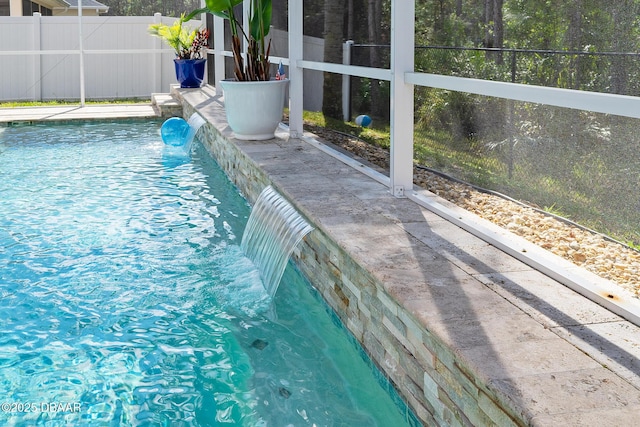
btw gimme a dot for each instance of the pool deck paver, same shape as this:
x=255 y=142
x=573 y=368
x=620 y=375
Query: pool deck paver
x=76 y=112
x=557 y=357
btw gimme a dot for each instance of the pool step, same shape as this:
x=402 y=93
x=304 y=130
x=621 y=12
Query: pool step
x=166 y=105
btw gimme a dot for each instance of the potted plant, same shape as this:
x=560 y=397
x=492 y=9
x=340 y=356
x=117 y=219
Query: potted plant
x=188 y=44
x=253 y=100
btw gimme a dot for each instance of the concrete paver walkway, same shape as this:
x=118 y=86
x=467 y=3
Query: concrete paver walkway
x=76 y=112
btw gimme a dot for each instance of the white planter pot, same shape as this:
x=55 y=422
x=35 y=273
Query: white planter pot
x=254 y=109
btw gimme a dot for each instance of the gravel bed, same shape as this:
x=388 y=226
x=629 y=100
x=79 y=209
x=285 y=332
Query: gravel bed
x=592 y=251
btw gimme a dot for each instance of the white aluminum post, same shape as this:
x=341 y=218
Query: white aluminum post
x=346 y=81
x=296 y=51
x=80 y=47
x=402 y=61
x=37 y=68
x=218 y=47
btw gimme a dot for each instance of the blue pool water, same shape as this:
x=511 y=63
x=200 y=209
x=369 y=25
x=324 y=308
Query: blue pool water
x=125 y=299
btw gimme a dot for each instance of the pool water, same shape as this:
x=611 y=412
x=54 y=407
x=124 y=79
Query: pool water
x=125 y=298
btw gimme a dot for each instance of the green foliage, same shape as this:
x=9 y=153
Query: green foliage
x=260 y=19
x=580 y=163
x=256 y=67
x=377 y=135
x=586 y=26
x=186 y=42
x=173 y=8
x=583 y=165
x=464 y=116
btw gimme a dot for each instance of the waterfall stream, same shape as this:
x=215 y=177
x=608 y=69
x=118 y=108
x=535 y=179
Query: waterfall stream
x=272 y=232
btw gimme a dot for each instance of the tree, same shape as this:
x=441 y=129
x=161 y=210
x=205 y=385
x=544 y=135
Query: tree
x=623 y=14
x=494 y=28
x=376 y=30
x=333 y=38
x=149 y=7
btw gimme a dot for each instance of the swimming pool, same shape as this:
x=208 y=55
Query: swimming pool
x=125 y=298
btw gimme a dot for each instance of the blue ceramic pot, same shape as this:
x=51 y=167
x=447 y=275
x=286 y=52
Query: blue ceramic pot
x=189 y=72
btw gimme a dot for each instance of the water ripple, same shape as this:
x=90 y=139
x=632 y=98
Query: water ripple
x=103 y=251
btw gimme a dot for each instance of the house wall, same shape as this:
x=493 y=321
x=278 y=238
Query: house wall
x=15 y=7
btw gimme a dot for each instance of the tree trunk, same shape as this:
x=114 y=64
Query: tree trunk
x=439 y=35
x=624 y=13
x=374 y=59
x=373 y=28
x=488 y=23
x=574 y=42
x=350 y=20
x=494 y=28
x=333 y=38
x=498 y=29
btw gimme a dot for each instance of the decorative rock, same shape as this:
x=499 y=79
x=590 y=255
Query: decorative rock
x=579 y=257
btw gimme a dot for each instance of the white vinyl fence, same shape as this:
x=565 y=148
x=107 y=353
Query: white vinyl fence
x=40 y=57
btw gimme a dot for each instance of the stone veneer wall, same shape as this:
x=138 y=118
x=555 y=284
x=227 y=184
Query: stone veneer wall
x=423 y=370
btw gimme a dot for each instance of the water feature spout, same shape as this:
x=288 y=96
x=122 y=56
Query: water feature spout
x=178 y=134
x=195 y=122
x=272 y=232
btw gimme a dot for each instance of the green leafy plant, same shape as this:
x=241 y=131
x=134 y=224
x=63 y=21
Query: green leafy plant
x=256 y=67
x=186 y=42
